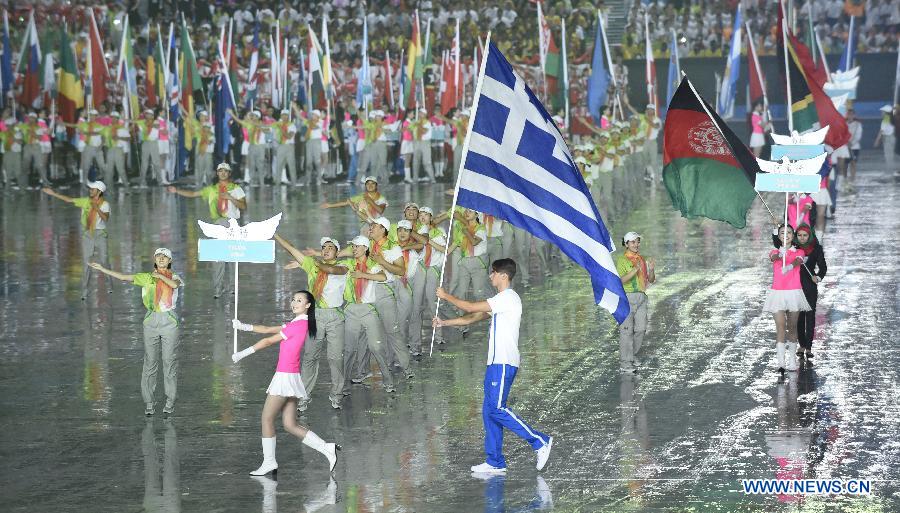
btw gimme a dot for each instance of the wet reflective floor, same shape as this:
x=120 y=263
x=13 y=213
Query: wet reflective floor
x=706 y=410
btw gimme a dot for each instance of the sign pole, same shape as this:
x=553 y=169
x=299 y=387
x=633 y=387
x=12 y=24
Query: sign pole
x=235 y=302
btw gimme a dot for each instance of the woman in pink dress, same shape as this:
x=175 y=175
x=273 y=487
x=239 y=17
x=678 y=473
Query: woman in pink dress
x=785 y=299
x=286 y=387
x=757 y=135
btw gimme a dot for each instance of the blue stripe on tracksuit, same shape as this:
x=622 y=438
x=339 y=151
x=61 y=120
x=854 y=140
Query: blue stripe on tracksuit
x=498 y=379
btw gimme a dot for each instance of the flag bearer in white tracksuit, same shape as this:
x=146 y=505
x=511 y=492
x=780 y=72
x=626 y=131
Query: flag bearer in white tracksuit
x=226 y=200
x=431 y=259
x=159 y=293
x=409 y=304
x=327 y=279
x=362 y=317
x=94 y=216
x=505 y=312
x=390 y=257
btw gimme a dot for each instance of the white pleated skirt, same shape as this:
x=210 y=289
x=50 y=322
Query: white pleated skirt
x=821 y=197
x=287 y=384
x=786 y=301
x=757 y=140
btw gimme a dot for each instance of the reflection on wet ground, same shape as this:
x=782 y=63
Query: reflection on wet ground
x=706 y=411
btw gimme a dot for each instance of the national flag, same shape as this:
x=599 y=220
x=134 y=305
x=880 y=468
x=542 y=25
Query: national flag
x=364 y=79
x=809 y=102
x=30 y=66
x=96 y=71
x=727 y=94
x=301 y=81
x=545 y=40
x=71 y=94
x=48 y=78
x=325 y=61
x=849 y=53
x=414 y=64
x=706 y=168
x=448 y=85
x=674 y=77
x=456 y=58
x=598 y=81
x=7 y=78
x=128 y=73
x=650 y=65
x=190 y=74
x=252 y=78
x=755 y=75
x=518 y=168
x=401 y=82
x=315 y=76
x=275 y=86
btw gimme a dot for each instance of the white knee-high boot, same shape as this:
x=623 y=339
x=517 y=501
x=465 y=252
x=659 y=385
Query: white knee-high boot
x=779 y=354
x=328 y=450
x=269 y=464
x=791 y=363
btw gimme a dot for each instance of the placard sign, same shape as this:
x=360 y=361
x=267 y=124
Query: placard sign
x=224 y=250
x=777 y=182
x=796 y=151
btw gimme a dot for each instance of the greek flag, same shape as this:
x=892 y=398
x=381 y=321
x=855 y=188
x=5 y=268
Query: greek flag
x=518 y=168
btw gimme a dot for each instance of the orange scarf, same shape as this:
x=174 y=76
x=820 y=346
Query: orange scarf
x=404 y=279
x=163 y=291
x=360 y=284
x=223 y=201
x=468 y=247
x=376 y=246
x=93 y=214
x=319 y=285
x=373 y=210
x=428 y=249
x=488 y=224
x=638 y=261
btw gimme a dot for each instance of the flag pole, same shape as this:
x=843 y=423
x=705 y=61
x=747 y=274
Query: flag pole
x=235 y=302
x=759 y=76
x=462 y=163
x=612 y=69
x=790 y=113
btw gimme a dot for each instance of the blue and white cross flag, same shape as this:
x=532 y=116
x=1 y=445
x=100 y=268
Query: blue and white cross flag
x=518 y=168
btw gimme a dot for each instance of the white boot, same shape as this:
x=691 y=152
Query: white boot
x=779 y=352
x=791 y=364
x=313 y=441
x=269 y=464
x=407 y=178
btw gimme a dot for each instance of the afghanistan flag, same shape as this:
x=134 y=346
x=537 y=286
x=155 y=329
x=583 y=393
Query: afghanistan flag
x=706 y=169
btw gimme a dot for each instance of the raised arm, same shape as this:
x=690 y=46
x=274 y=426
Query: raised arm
x=466 y=306
x=51 y=192
x=183 y=192
x=343 y=203
x=290 y=248
x=114 y=274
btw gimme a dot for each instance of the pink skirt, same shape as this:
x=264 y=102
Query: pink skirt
x=786 y=301
x=287 y=384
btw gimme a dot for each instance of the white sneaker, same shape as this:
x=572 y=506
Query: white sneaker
x=543 y=454
x=544 y=494
x=487 y=468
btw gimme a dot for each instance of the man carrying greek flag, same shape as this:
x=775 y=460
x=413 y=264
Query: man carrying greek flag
x=516 y=167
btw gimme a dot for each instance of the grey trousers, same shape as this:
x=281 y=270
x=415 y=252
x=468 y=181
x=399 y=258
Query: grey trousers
x=32 y=158
x=115 y=161
x=631 y=331
x=379 y=163
x=517 y=245
x=91 y=155
x=285 y=156
x=330 y=336
x=312 y=165
x=93 y=249
x=472 y=271
x=416 y=288
x=887 y=143
x=405 y=308
x=256 y=163
x=386 y=298
x=160 y=336
x=426 y=293
x=363 y=320
x=496 y=248
x=422 y=158
x=12 y=163
x=203 y=168
x=149 y=155
x=219 y=269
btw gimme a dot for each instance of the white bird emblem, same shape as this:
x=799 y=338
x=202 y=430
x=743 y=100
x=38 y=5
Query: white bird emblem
x=841 y=76
x=797 y=167
x=816 y=137
x=262 y=230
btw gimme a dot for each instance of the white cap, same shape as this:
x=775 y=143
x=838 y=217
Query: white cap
x=202 y=112
x=316 y=112
x=370 y=178
x=379 y=112
x=650 y=106
x=32 y=114
x=114 y=114
x=257 y=113
x=359 y=240
x=405 y=224
x=411 y=205
x=92 y=111
x=148 y=111
x=383 y=221
x=887 y=109
x=163 y=251
x=630 y=236
x=285 y=112
x=372 y=114
x=225 y=166
x=100 y=186
x=464 y=112
x=427 y=210
x=324 y=240
x=580 y=160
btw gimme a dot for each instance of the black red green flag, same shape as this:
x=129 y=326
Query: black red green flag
x=706 y=168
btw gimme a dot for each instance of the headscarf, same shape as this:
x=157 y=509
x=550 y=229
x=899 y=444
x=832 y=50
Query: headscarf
x=810 y=244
